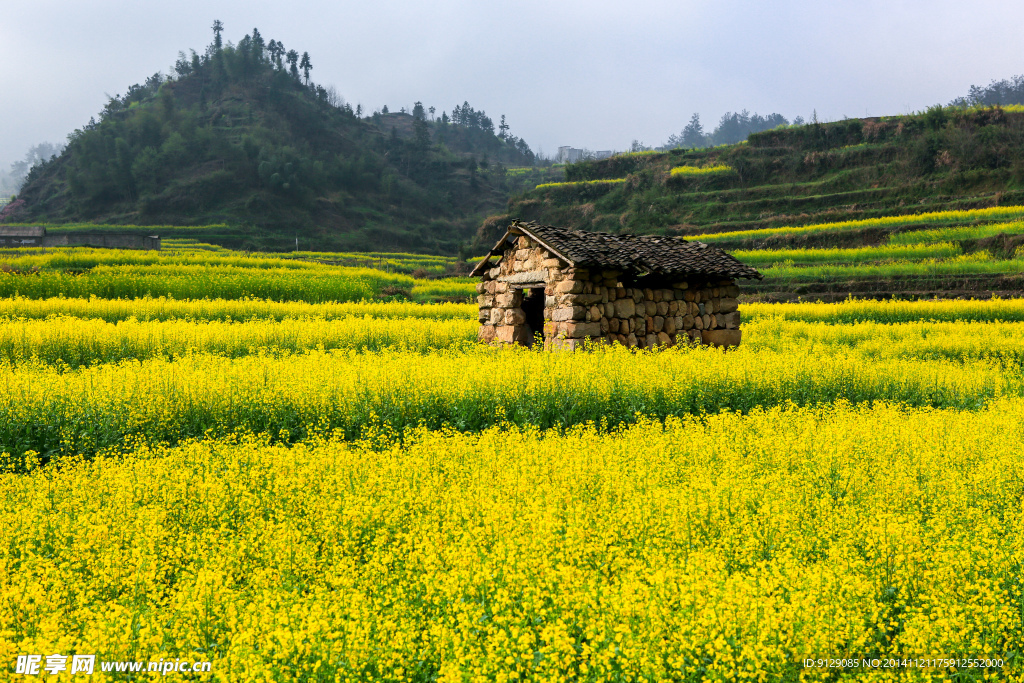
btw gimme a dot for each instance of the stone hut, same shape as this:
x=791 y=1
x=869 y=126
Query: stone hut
x=638 y=290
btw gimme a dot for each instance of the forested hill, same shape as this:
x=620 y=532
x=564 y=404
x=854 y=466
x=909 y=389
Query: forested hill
x=242 y=135
x=952 y=157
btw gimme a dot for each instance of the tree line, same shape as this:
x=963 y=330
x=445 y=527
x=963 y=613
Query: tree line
x=1007 y=91
x=733 y=127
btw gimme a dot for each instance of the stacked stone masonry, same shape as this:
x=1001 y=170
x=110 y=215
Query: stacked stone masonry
x=581 y=304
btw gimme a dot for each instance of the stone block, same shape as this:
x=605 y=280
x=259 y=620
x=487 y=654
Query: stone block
x=730 y=320
x=581 y=299
x=514 y=334
x=721 y=337
x=511 y=299
x=624 y=308
x=698 y=322
x=613 y=325
x=689 y=295
x=566 y=313
x=707 y=321
x=570 y=287
x=631 y=340
x=728 y=305
x=596 y=312
x=514 y=316
x=680 y=285
x=648 y=294
x=668 y=295
x=485 y=333
x=711 y=306
x=659 y=324
x=664 y=339
x=686 y=322
x=578 y=329
x=662 y=308
x=650 y=307
x=670 y=325
x=522 y=254
x=497 y=316
x=481 y=287
x=550 y=263
x=484 y=315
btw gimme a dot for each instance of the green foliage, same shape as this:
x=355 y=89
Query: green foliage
x=240 y=134
x=850 y=170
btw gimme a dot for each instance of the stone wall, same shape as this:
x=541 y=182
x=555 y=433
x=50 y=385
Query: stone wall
x=596 y=304
x=99 y=239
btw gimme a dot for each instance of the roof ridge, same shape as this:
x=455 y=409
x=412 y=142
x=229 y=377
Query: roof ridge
x=665 y=255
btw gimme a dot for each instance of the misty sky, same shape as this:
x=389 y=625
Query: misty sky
x=592 y=73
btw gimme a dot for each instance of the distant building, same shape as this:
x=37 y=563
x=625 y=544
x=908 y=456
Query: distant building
x=569 y=155
x=31 y=236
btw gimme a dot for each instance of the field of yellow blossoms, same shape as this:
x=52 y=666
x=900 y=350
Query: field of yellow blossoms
x=304 y=490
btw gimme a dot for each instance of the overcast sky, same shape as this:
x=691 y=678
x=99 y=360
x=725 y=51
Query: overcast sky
x=587 y=73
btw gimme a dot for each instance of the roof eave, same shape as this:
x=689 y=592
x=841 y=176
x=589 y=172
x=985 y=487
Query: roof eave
x=495 y=250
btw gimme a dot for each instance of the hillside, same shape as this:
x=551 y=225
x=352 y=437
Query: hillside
x=239 y=136
x=824 y=208
x=858 y=168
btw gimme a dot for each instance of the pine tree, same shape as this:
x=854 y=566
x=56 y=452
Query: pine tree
x=293 y=63
x=306 y=66
x=693 y=134
x=218 y=28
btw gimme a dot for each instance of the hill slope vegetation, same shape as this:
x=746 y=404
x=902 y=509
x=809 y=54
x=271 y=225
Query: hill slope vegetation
x=859 y=168
x=241 y=135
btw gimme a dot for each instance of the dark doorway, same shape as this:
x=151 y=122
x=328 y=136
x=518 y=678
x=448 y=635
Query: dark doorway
x=533 y=309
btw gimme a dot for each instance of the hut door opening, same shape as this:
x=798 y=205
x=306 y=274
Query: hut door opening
x=533 y=309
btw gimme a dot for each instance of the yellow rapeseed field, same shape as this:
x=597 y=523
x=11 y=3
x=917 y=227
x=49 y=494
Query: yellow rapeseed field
x=727 y=547
x=258 y=474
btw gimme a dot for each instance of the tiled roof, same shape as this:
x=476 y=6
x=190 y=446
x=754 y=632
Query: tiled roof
x=638 y=254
